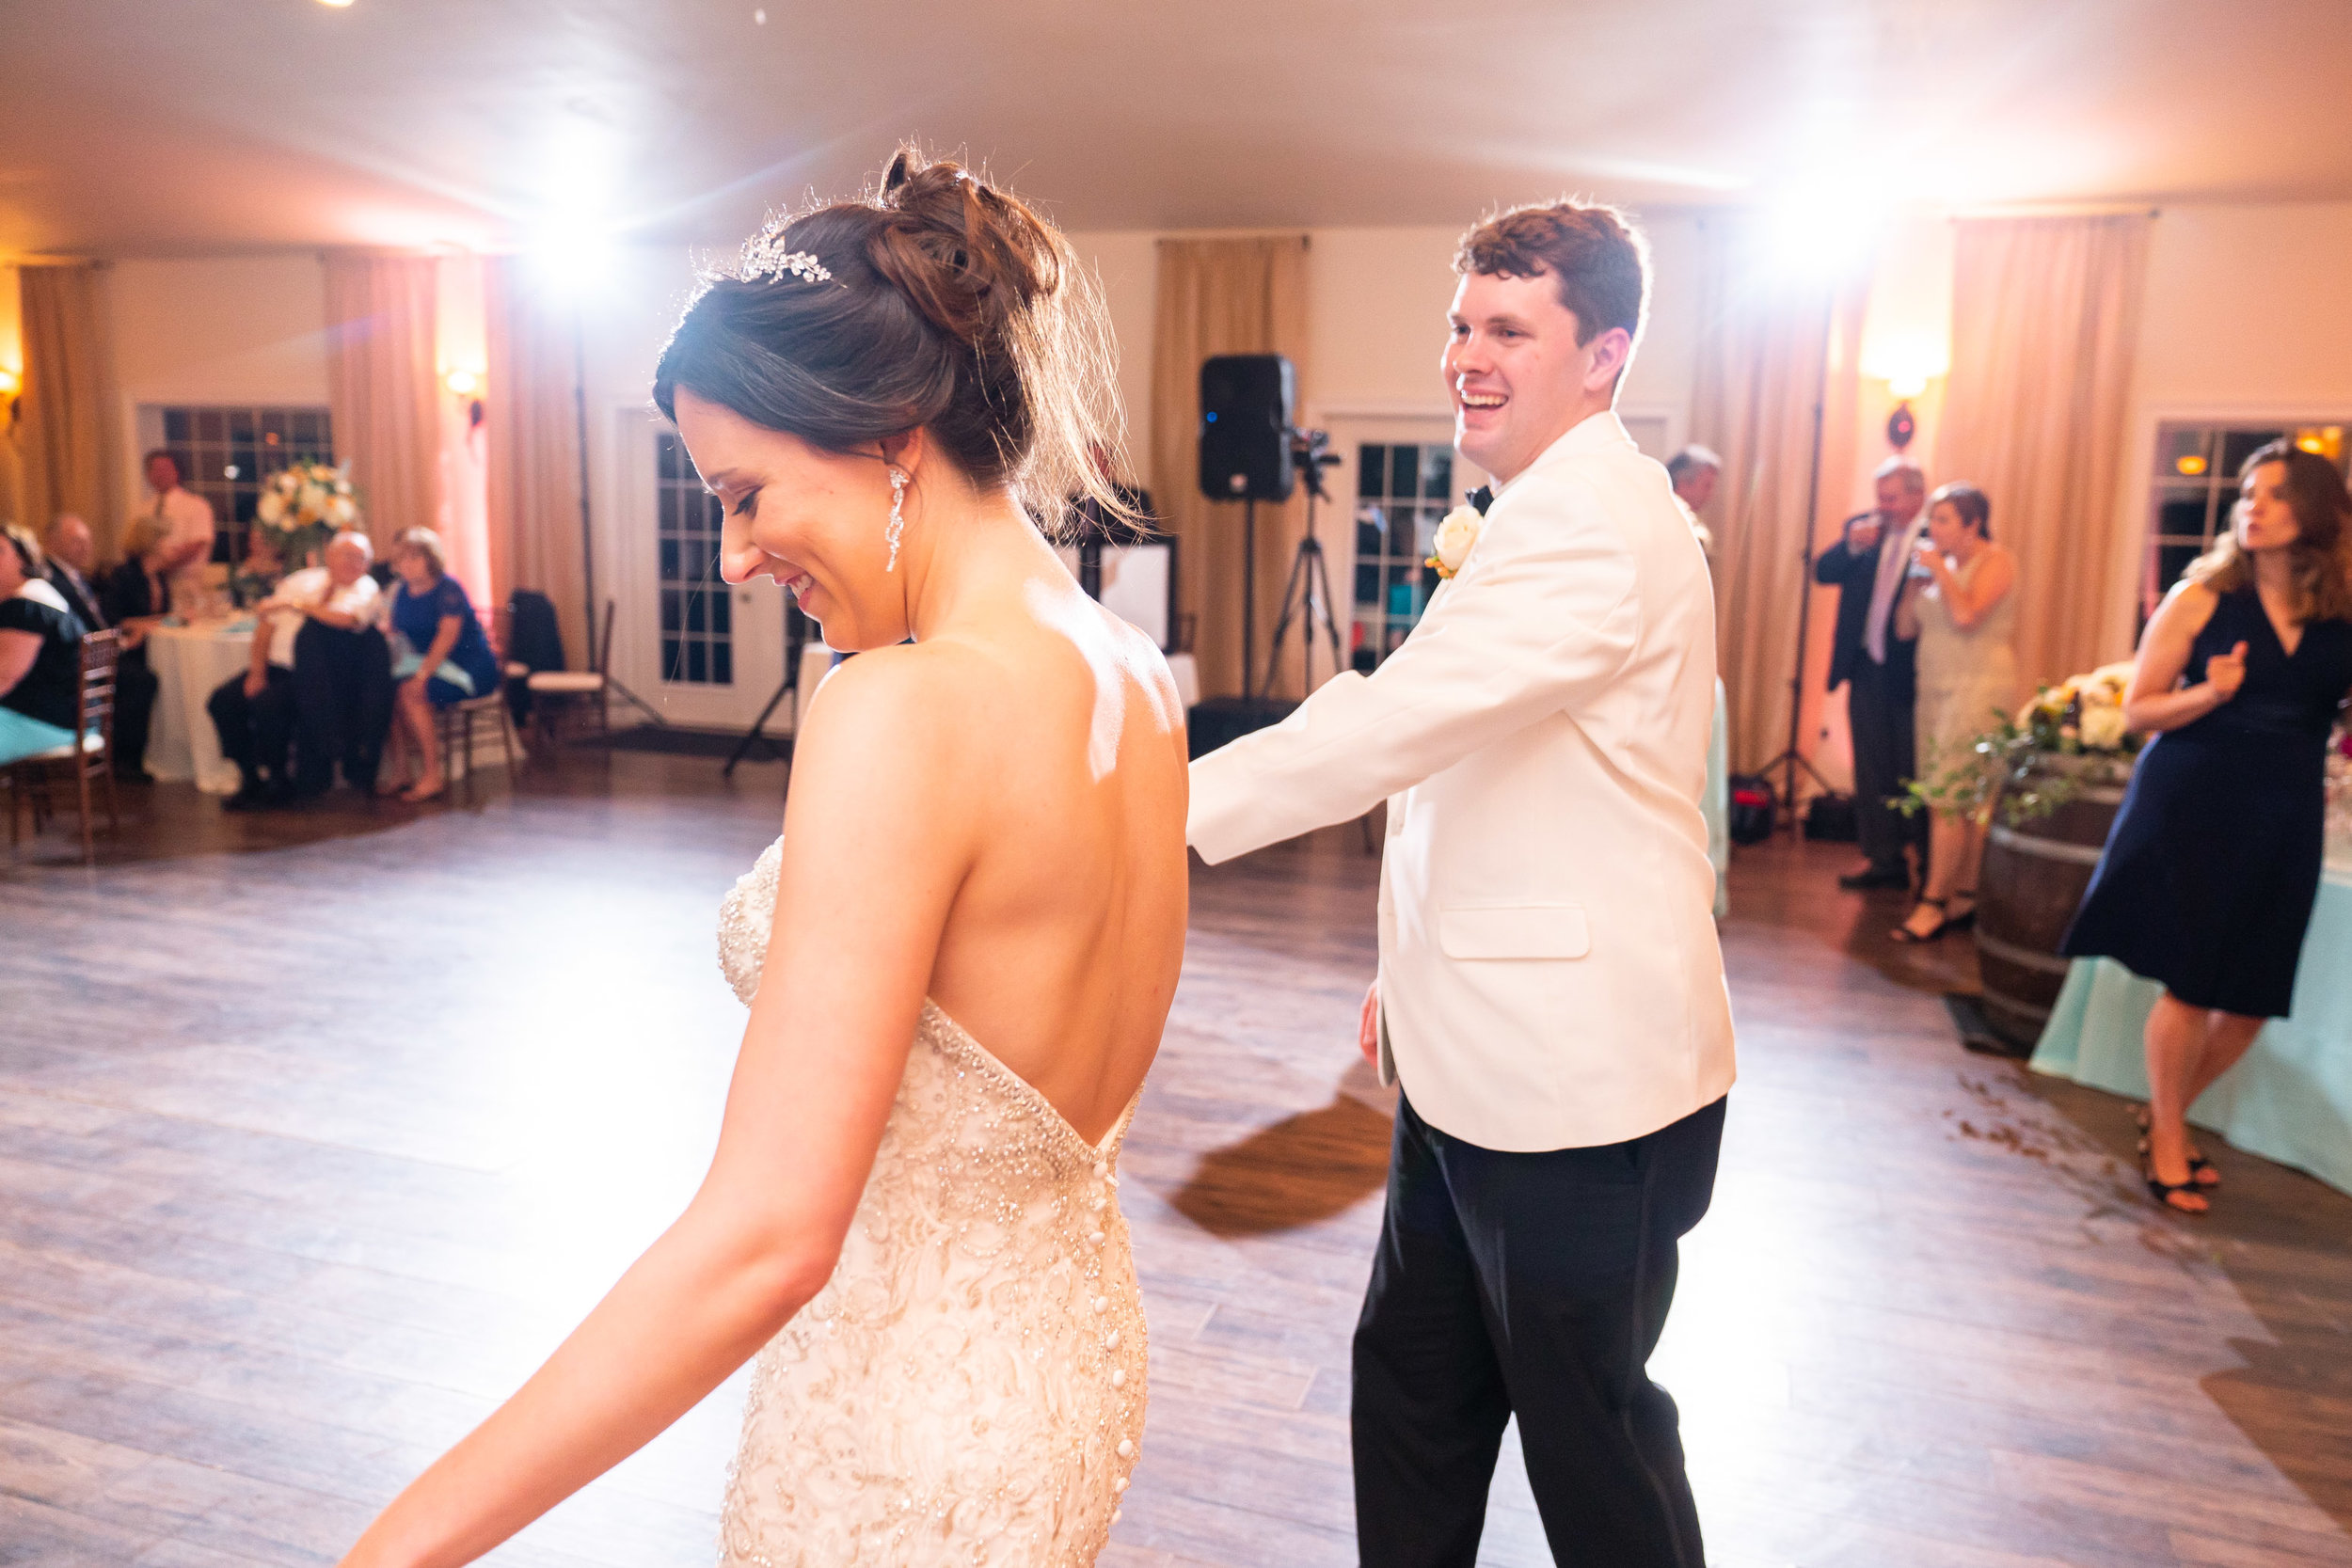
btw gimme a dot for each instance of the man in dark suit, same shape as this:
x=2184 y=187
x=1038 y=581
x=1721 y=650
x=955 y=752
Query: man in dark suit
x=1866 y=567
x=73 y=556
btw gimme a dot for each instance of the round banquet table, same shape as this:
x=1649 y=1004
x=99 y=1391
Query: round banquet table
x=2290 y=1099
x=190 y=662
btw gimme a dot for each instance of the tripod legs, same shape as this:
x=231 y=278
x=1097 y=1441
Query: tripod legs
x=1306 y=598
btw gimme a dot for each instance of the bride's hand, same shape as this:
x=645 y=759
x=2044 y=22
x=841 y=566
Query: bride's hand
x=1368 y=1027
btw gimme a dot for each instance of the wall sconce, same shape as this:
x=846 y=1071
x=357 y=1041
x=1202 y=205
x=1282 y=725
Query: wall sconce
x=1902 y=425
x=467 y=384
x=11 y=384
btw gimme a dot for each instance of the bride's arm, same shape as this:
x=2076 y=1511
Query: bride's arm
x=871 y=861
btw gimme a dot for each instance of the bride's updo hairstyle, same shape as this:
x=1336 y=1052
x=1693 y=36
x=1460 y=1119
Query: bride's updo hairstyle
x=951 y=308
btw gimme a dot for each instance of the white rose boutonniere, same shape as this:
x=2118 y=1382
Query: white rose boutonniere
x=1457 y=530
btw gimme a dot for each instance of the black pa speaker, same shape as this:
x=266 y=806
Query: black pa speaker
x=1245 y=404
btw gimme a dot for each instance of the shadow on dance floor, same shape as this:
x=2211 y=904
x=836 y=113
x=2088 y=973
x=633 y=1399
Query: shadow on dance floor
x=1299 y=1171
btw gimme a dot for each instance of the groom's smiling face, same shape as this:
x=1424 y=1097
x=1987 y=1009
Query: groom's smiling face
x=1517 y=376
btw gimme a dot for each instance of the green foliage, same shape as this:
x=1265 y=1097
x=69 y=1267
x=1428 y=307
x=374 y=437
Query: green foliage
x=2029 y=766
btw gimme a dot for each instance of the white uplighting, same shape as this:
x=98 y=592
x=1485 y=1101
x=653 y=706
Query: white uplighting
x=462 y=382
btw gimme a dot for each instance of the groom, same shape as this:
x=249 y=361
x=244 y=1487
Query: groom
x=1550 y=996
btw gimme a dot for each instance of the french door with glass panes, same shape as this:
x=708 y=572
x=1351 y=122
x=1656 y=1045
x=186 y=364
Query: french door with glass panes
x=1397 y=477
x=706 y=655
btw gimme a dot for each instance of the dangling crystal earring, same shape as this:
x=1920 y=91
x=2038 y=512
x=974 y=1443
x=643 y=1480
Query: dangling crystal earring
x=897 y=515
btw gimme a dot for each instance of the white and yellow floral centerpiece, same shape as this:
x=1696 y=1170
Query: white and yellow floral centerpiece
x=2069 y=735
x=303 y=504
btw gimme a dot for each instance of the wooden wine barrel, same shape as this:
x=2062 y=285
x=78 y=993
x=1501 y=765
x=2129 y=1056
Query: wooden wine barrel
x=2032 y=881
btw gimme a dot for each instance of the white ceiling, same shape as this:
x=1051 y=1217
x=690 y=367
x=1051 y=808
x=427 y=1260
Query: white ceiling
x=192 y=126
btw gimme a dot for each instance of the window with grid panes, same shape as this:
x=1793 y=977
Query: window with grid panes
x=2195 y=485
x=697 y=634
x=229 y=452
x=1402 y=489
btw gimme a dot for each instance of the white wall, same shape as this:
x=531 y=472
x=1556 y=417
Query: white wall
x=246 y=329
x=241 y=329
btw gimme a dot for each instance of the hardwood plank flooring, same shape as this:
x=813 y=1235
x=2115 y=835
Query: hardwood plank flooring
x=318 y=1130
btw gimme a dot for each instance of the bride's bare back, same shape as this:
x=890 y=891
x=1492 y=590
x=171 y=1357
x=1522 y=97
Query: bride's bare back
x=1061 y=948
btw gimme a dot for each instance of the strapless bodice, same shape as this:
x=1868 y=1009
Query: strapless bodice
x=969 y=1386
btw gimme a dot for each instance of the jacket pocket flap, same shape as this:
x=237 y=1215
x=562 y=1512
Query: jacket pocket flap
x=1517 y=931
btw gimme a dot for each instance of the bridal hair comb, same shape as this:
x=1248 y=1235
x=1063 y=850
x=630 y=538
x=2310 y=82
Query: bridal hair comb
x=766 y=261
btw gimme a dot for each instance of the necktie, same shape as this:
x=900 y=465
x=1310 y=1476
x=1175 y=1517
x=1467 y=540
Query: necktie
x=1893 y=561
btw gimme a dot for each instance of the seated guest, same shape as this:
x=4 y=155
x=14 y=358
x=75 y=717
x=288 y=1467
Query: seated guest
x=40 y=653
x=449 y=657
x=136 y=597
x=254 y=712
x=73 y=573
x=258 y=575
x=343 y=671
x=73 y=557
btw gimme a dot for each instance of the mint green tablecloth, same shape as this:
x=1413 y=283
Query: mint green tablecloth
x=2289 y=1101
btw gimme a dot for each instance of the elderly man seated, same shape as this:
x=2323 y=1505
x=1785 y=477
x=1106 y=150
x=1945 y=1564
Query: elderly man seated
x=72 y=557
x=343 y=672
x=255 y=711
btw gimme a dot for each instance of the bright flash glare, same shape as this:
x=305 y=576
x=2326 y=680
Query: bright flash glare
x=1825 y=229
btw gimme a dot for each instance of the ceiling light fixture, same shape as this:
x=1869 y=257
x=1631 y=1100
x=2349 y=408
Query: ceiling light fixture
x=335 y=4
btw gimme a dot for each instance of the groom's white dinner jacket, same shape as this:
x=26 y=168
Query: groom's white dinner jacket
x=1550 y=977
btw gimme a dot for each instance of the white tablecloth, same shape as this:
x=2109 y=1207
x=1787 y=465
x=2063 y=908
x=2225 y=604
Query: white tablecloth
x=190 y=663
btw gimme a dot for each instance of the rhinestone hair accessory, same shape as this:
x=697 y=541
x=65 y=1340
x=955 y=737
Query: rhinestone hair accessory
x=766 y=261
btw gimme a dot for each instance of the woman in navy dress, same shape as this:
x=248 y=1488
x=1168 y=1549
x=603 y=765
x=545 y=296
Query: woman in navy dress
x=448 y=659
x=2211 y=867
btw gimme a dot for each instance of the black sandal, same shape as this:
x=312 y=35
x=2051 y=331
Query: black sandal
x=2164 y=1192
x=1906 y=934
x=1964 y=922
x=2199 y=1168
x=2202 y=1174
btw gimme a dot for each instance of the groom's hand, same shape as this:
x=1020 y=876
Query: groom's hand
x=1368 y=1027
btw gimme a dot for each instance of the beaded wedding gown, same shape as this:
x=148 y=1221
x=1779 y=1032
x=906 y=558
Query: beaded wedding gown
x=969 y=1386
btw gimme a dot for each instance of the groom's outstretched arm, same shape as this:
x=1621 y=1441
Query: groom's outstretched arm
x=1542 y=615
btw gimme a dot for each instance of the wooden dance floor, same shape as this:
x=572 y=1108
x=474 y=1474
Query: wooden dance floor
x=316 y=1132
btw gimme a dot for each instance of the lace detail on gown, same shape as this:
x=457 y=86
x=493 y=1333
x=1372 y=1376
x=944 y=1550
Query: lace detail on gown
x=969 y=1386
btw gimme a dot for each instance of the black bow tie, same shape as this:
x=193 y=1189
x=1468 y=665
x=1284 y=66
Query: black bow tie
x=1482 y=498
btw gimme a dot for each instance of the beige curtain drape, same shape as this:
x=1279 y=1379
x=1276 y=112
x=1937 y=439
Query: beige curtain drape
x=1776 y=340
x=2046 y=317
x=383 y=386
x=1224 y=297
x=533 y=451
x=67 y=435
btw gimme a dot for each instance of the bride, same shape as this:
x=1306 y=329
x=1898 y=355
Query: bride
x=977 y=908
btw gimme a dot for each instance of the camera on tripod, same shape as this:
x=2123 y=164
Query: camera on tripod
x=1311 y=453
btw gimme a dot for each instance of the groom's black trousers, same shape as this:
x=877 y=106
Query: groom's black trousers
x=1535 y=1285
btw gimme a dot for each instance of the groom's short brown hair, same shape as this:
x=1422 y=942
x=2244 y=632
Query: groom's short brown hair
x=1598 y=260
